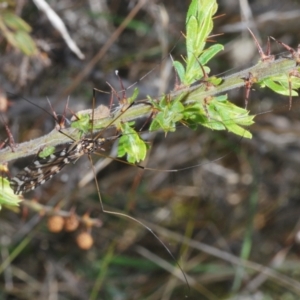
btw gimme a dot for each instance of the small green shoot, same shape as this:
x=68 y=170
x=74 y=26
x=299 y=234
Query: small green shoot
x=7 y=196
x=219 y=114
x=47 y=151
x=280 y=84
x=170 y=112
x=134 y=96
x=83 y=123
x=199 y=24
x=131 y=144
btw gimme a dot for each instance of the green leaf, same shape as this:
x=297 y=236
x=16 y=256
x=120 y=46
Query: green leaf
x=83 y=123
x=192 y=11
x=219 y=114
x=210 y=52
x=7 y=196
x=179 y=69
x=16 y=31
x=131 y=145
x=223 y=98
x=134 y=96
x=199 y=24
x=233 y=116
x=47 y=151
x=138 y=263
x=191 y=29
x=25 y=43
x=170 y=112
x=194 y=115
x=281 y=86
x=14 y=22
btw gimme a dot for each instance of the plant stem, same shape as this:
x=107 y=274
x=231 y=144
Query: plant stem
x=143 y=108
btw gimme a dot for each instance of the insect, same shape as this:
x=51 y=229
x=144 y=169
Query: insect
x=44 y=168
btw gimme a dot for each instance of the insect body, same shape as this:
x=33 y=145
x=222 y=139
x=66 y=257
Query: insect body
x=43 y=169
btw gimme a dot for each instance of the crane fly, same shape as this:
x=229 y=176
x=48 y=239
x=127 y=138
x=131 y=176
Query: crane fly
x=43 y=168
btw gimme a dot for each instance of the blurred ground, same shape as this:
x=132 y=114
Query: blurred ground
x=241 y=202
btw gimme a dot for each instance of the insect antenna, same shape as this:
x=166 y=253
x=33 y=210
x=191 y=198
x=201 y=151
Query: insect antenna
x=136 y=220
x=54 y=116
x=139 y=222
x=128 y=105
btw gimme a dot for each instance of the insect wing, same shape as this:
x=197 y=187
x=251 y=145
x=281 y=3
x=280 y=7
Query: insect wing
x=44 y=168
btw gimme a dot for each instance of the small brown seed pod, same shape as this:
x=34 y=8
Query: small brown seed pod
x=71 y=223
x=84 y=240
x=55 y=223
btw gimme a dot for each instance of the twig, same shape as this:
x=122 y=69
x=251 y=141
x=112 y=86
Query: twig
x=57 y=23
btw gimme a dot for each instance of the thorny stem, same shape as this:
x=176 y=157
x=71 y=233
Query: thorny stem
x=197 y=93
